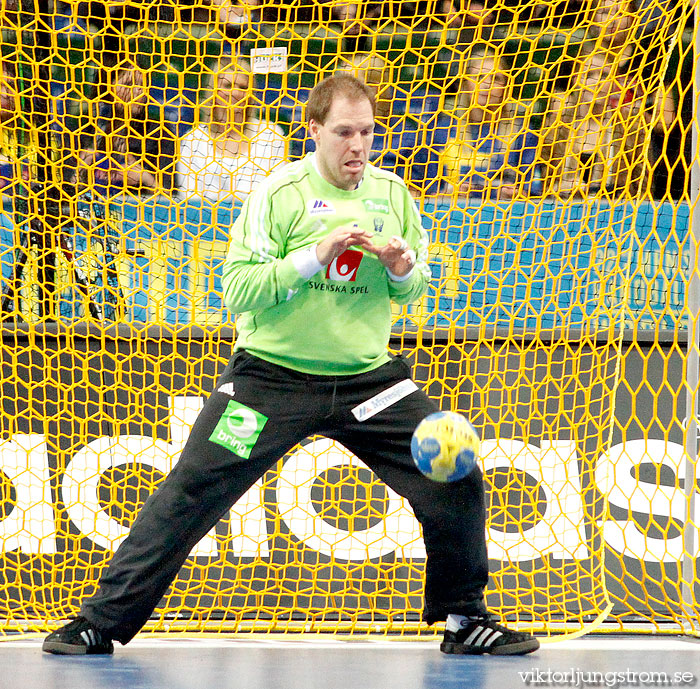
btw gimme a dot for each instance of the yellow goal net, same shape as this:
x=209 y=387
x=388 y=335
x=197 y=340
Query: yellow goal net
x=549 y=150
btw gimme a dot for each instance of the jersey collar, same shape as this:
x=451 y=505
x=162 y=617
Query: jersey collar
x=314 y=162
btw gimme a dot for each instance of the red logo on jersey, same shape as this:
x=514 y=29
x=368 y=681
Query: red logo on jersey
x=344 y=268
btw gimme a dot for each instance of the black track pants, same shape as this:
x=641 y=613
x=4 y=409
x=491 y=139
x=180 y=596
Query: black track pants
x=210 y=477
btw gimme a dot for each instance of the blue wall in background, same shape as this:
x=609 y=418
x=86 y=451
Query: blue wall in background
x=522 y=265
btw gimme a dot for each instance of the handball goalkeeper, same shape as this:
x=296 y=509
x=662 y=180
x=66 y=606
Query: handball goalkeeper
x=318 y=253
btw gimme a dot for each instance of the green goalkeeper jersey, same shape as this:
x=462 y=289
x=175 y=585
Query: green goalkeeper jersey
x=338 y=320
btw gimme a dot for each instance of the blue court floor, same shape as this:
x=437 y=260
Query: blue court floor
x=328 y=663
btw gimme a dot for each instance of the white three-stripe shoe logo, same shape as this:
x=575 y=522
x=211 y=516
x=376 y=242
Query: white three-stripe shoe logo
x=227 y=389
x=89 y=637
x=482 y=636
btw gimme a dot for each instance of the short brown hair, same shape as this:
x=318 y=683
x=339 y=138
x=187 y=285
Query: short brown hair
x=228 y=64
x=343 y=85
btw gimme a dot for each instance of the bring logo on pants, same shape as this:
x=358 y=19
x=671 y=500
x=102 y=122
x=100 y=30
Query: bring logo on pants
x=238 y=429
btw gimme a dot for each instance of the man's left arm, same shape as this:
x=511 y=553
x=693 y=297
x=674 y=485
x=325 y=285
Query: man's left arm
x=410 y=287
x=405 y=258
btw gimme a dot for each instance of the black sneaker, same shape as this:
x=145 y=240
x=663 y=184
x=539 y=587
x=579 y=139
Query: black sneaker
x=78 y=637
x=483 y=635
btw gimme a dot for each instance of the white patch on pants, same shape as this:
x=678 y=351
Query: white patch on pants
x=384 y=399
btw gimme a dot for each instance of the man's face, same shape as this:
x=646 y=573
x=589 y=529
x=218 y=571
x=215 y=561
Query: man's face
x=231 y=95
x=343 y=141
x=486 y=83
x=132 y=89
x=8 y=95
x=594 y=80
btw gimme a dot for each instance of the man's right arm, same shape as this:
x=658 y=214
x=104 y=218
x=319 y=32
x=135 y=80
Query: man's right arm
x=256 y=273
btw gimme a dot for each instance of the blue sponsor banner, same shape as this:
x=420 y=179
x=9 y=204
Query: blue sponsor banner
x=178 y=250
x=549 y=265
x=523 y=265
x=659 y=267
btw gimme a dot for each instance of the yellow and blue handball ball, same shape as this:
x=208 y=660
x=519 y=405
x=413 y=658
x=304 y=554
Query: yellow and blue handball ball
x=445 y=446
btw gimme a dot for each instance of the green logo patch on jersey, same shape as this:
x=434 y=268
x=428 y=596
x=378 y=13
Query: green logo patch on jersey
x=377 y=206
x=238 y=429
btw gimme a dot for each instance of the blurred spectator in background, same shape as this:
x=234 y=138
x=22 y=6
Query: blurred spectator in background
x=590 y=127
x=233 y=15
x=614 y=23
x=375 y=72
x=405 y=124
x=635 y=32
x=636 y=109
x=671 y=146
x=9 y=107
x=558 y=15
x=475 y=23
x=352 y=18
x=477 y=18
x=618 y=22
x=640 y=30
x=230 y=151
x=135 y=145
x=358 y=17
x=359 y=21
x=490 y=153
x=647 y=157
